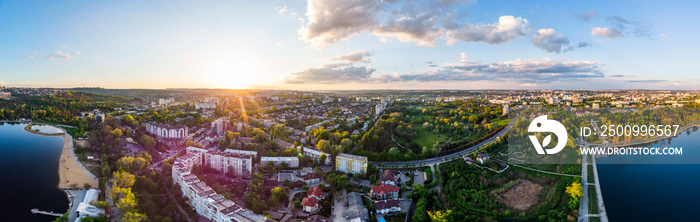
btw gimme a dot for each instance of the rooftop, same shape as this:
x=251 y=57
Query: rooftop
x=352 y=157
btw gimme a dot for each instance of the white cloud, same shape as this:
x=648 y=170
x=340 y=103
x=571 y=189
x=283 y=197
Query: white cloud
x=59 y=55
x=664 y=37
x=605 y=32
x=359 y=56
x=29 y=56
x=77 y=52
x=463 y=57
x=506 y=29
x=521 y=71
x=331 y=74
x=328 y=22
x=332 y=21
x=550 y=41
x=281 y=10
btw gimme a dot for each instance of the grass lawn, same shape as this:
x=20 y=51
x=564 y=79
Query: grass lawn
x=427 y=138
x=592 y=200
x=591 y=177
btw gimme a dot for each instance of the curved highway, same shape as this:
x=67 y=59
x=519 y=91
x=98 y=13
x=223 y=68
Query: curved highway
x=447 y=157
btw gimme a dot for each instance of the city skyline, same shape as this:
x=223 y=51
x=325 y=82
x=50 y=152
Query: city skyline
x=355 y=45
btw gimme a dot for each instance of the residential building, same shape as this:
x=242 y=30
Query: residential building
x=315 y=192
x=292 y=162
x=315 y=154
x=387 y=206
x=220 y=125
x=167 y=131
x=241 y=164
x=309 y=204
x=310 y=178
x=348 y=163
x=384 y=191
x=482 y=157
x=389 y=178
x=355 y=209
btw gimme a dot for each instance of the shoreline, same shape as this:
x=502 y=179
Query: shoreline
x=71 y=173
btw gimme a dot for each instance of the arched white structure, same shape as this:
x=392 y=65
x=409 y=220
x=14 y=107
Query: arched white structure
x=167 y=131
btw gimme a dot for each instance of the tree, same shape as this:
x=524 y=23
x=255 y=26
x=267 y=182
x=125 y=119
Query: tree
x=322 y=158
x=439 y=216
x=87 y=186
x=128 y=119
x=102 y=204
x=123 y=179
x=575 y=192
x=229 y=136
x=148 y=142
x=222 y=144
x=127 y=202
x=324 y=146
x=133 y=217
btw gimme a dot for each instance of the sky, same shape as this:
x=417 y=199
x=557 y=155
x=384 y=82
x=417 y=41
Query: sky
x=345 y=45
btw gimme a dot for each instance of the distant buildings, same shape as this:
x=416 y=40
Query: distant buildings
x=351 y=164
x=165 y=101
x=292 y=162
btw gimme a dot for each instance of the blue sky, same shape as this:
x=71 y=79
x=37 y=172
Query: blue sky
x=362 y=44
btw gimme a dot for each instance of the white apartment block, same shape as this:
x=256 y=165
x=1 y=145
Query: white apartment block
x=241 y=164
x=315 y=154
x=350 y=163
x=201 y=197
x=292 y=162
x=244 y=152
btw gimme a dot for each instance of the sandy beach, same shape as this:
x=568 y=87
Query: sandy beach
x=69 y=170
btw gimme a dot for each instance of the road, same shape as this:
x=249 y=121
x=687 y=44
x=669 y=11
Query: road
x=445 y=158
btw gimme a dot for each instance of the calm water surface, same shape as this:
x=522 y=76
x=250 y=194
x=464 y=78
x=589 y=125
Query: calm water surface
x=29 y=174
x=654 y=192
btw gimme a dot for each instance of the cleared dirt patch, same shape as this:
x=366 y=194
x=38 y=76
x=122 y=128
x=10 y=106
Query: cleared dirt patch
x=522 y=195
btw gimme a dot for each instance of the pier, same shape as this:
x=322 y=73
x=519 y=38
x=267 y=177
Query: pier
x=37 y=211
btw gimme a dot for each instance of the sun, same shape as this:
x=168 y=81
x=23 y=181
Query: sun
x=233 y=72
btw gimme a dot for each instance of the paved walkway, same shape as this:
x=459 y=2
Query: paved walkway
x=599 y=195
x=75 y=197
x=583 y=206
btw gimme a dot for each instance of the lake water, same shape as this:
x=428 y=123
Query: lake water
x=653 y=192
x=29 y=174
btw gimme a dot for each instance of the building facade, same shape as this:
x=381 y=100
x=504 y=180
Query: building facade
x=292 y=162
x=351 y=164
x=203 y=198
x=167 y=131
x=220 y=125
x=241 y=164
